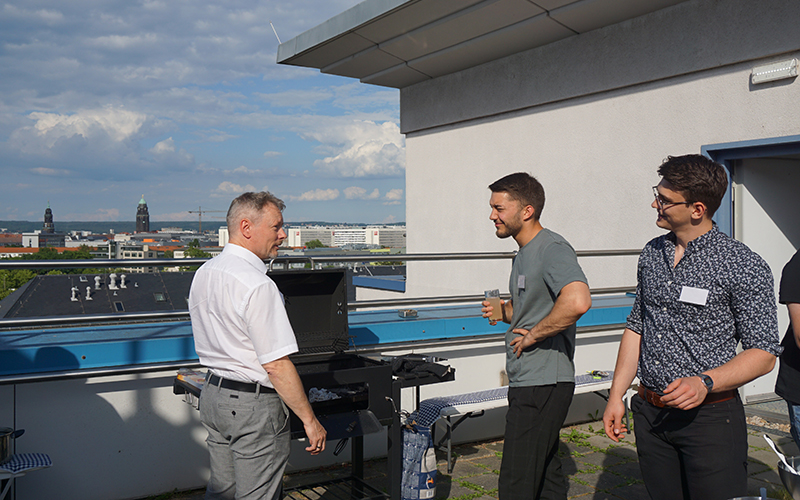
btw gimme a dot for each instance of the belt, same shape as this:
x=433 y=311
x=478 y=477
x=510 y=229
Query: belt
x=235 y=385
x=654 y=398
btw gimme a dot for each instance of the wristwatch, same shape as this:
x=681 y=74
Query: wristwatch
x=707 y=380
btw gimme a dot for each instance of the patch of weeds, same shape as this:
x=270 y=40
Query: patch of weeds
x=576 y=437
x=467 y=496
x=579 y=481
x=476 y=487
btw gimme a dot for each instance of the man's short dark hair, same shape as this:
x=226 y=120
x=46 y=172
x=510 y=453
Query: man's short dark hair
x=249 y=205
x=698 y=178
x=524 y=188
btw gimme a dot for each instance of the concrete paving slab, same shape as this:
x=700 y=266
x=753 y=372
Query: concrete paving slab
x=770 y=476
x=601 y=480
x=484 y=482
x=578 y=490
x=446 y=488
x=600 y=459
x=627 y=469
x=626 y=452
x=465 y=469
x=496 y=446
x=773 y=491
x=569 y=466
x=490 y=463
x=471 y=451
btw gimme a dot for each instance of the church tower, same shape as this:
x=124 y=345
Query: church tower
x=48 y=226
x=142 y=217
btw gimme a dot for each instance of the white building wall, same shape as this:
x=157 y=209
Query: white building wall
x=299 y=236
x=224 y=236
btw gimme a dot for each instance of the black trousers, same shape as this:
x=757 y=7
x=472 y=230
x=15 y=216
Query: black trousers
x=694 y=454
x=530 y=468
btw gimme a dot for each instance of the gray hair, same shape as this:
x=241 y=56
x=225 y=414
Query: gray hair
x=249 y=206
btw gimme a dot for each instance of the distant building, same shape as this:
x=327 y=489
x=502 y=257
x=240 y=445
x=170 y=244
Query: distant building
x=339 y=236
x=47 y=237
x=224 y=236
x=48 y=226
x=142 y=217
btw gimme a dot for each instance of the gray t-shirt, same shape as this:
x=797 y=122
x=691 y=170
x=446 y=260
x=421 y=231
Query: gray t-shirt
x=540 y=270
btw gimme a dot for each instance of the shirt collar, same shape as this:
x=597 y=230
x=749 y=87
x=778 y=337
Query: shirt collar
x=247 y=255
x=699 y=242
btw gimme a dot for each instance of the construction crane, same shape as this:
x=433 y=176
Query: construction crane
x=200 y=213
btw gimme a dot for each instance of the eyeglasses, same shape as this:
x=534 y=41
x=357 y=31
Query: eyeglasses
x=665 y=204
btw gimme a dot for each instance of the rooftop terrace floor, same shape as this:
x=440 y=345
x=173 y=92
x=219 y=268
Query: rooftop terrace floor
x=597 y=467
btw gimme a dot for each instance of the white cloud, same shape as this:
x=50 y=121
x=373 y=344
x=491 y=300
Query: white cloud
x=365 y=149
x=394 y=194
x=241 y=169
x=272 y=154
x=115 y=123
x=50 y=171
x=168 y=154
x=316 y=195
x=165 y=146
x=359 y=193
x=231 y=188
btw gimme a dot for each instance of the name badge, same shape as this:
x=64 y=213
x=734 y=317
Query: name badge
x=692 y=295
x=521 y=282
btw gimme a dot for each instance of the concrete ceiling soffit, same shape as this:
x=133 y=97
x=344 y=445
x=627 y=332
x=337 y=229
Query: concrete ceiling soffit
x=409 y=42
x=534 y=32
x=588 y=15
x=410 y=17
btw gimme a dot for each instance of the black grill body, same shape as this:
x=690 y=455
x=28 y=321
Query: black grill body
x=316 y=303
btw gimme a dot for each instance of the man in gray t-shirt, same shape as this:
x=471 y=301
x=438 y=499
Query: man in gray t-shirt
x=549 y=292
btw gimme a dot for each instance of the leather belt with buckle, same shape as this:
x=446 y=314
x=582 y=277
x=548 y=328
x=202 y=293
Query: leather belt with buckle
x=654 y=398
x=235 y=385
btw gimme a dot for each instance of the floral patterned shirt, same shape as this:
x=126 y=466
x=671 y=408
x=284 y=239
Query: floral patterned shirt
x=692 y=316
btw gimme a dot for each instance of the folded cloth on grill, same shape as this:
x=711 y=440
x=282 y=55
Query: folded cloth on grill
x=410 y=368
x=26 y=461
x=430 y=410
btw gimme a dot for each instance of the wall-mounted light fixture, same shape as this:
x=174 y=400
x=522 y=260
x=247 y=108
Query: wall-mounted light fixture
x=775 y=71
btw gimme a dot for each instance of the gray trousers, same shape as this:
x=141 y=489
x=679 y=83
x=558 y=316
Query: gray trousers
x=248 y=440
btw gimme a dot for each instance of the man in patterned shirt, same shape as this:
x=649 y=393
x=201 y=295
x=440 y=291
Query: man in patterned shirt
x=699 y=294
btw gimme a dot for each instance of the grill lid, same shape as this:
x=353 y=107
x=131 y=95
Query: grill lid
x=316 y=303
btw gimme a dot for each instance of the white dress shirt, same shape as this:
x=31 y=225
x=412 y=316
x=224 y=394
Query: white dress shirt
x=238 y=316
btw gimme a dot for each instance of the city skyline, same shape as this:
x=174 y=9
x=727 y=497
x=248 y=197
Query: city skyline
x=102 y=102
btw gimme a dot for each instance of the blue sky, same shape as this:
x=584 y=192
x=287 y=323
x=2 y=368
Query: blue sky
x=182 y=101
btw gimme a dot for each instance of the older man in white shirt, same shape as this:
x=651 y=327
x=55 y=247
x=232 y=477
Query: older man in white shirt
x=243 y=336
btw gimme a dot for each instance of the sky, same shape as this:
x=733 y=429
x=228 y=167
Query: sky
x=182 y=101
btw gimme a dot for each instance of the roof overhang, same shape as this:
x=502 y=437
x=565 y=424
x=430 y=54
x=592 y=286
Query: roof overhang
x=397 y=43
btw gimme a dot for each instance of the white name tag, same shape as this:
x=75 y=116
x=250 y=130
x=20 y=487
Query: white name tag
x=521 y=281
x=692 y=295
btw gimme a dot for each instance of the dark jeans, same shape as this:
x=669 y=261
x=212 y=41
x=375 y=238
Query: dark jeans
x=531 y=468
x=697 y=454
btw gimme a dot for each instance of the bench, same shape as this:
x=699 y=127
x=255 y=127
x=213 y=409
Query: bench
x=455 y=409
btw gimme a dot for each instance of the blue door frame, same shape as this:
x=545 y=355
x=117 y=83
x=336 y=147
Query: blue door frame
x=727 y=153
